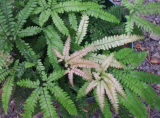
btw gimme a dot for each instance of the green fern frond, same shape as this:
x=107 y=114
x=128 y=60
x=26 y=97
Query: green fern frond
x=29 y=31
x=81 y=91
x=127 y=56
x=146 y=25
x=3 y=74
x=129 y=25
x=30 y=103
x=138 y=2
x=26 y=51
x=39 y=45
x=128 y=4
x=63 y=98
x=29 y=65
x=106 y=112
x=121 y=54
x=37 y=10
x=46 y=104
x=56 y=75
x=59 y=23
x=20 y=70
x=98 y=13
x=82 y=30
x=131 y=103
x=142 y=89
x=40 y=66
x=44 y=16
x=145 y=77
x=24 y=14
x=135 y=59
x=7 y=90
x=73 y=20
x=4 y=29
x=114 y=41
x=52 y=57
x=6 y=6
x=53 y=39
x=43 y=3
x=28 y=83
x=74 y=6
x=52 y=3
x=149 y=8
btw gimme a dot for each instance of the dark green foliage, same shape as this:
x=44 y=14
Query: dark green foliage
x=30 y=30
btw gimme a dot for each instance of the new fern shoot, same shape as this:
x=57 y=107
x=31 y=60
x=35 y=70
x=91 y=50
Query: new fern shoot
x=40 y=44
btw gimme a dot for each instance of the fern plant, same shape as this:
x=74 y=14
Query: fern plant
x=135 y=10
x=29 y=49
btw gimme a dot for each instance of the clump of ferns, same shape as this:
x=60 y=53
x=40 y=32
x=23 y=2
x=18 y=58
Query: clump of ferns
x=90 y=69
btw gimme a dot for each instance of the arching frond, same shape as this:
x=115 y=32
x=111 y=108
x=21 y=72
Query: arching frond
x=145 y=77
x=44 y=16
x=98 y=58
x=7 y=90
x=67 y=48
x=3 y=74
x=149 y=8
x=6 y=7
x=73 y=21
x=30 y=103
x=46 y=104
x=24 y=14
x=79 y=54
x=4 y=29
x=63 y=98
x=81 y=92
x=29 y=31
x=99 y=13
x=146 y=25
x=84 y=64
x=109 y=77
x=112 y=95
x=82 y=30
x=25 y=50
x=43 y=3
x=131 y=102
x=107 y=62
x=91 y=86
x=114 y=41
x=75 y=6
x=59 y=23
x=129 y=25
x=56 y=75
x=28 y=83
x=100 y=94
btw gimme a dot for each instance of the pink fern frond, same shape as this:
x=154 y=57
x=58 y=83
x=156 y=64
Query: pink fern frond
x=91 y=86
x=79 y=54
x=84 y=64
x=66 y=48
x=57 y=54
x=81 y=73
x=107 y=62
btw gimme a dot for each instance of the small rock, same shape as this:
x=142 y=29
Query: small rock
x=158 y=47
x=155 y=37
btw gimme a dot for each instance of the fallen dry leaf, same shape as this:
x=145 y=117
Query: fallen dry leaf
x=39 y=115
x=139 y=46
x=155 y=60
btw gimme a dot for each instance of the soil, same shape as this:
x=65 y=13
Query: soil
x=151 y=64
